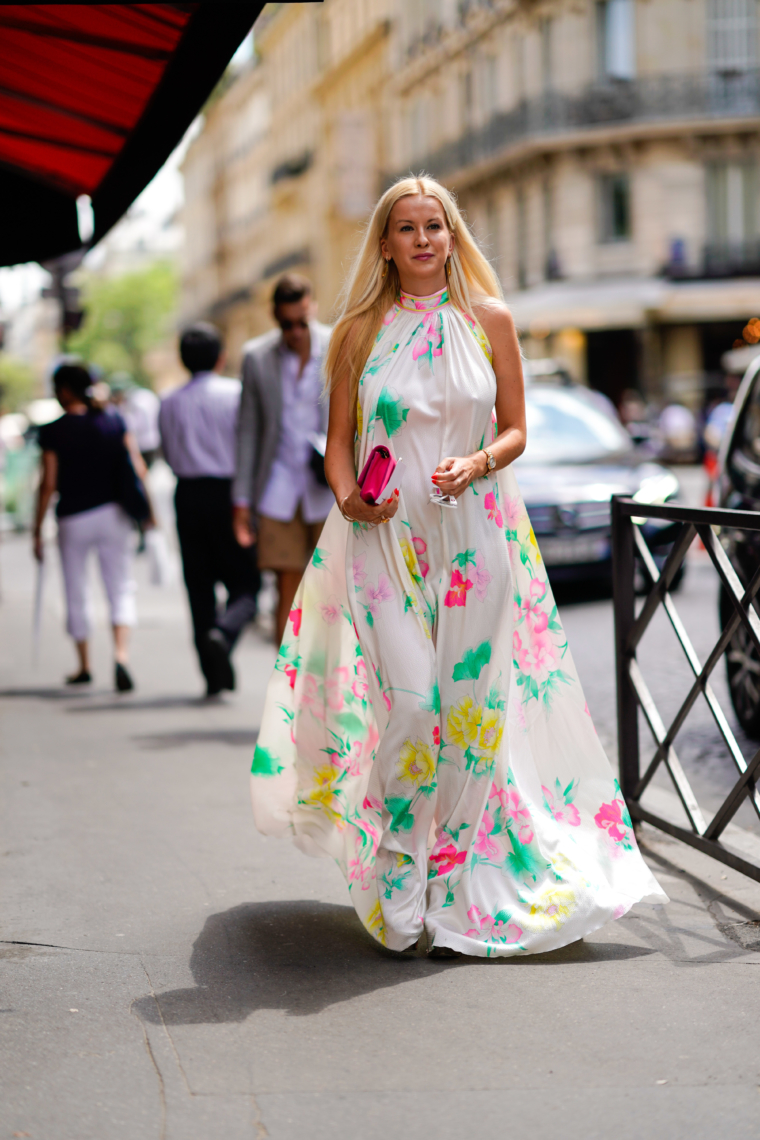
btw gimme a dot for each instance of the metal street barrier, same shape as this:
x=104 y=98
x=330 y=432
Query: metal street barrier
x=632 y=691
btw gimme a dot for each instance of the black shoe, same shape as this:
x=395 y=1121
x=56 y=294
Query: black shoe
x=222 y=675
x=122 y=679
x=83 y=678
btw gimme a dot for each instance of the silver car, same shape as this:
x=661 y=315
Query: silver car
x=577 y=457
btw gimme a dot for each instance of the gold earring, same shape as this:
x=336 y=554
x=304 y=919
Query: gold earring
x=448 y=266
x=385 y=269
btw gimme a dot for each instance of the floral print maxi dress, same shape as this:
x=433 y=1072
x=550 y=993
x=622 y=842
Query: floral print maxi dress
x=424 y=724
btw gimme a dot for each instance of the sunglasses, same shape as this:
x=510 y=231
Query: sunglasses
x=287 y=325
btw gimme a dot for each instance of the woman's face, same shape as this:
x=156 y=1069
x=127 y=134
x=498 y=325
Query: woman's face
x=418 y=240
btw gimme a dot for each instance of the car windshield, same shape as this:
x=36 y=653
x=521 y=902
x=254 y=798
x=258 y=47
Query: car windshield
x=570 y=427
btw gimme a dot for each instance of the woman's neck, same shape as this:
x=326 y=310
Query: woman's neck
x=422 y=287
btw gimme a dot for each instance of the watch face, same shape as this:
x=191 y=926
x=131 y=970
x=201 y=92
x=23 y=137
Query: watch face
x=491 y=463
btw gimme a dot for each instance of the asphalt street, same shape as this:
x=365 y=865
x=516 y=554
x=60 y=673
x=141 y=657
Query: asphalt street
x=168 y=974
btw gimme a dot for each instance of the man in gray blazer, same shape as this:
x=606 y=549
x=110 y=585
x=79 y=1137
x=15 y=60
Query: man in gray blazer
x=280 y=498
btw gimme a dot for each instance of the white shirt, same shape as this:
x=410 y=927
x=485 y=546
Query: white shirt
x=140 y=411
x=291 y=480
x=197 y=424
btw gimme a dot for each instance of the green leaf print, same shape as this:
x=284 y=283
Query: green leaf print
x=265 y=764
x=392 y=411
x=473 y=662
x=464 y=557
x=319 y=557
x=351 y=723
x=401 y=818
x=432 y=702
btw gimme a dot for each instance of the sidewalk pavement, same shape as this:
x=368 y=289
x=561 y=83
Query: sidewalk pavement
x=168 y=974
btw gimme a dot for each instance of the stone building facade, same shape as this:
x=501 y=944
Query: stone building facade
x=605 y=151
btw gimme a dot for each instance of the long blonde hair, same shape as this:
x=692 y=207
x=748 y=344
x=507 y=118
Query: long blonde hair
x=368 y=295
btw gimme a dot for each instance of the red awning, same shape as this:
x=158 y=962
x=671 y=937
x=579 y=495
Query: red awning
x=93 y=98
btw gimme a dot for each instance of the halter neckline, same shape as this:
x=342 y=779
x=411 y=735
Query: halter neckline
x=423 y=304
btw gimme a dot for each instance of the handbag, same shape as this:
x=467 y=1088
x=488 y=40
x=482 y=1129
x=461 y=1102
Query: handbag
x=130 y=493
x=375 y=474
x=318 y=442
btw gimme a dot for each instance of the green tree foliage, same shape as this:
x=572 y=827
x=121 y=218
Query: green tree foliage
x=125 y=317
x=17 y=384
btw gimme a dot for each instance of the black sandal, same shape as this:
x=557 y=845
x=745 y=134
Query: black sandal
x=122 y=679
x=83 y=678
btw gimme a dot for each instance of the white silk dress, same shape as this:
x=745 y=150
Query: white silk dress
x=424 y=724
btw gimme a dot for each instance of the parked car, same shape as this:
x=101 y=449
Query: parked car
x=739 y=489
x=577 y=457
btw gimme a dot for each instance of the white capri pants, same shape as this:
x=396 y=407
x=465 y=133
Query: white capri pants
x=108 y=530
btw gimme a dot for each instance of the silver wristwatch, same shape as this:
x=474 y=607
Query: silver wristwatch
x=490 y=460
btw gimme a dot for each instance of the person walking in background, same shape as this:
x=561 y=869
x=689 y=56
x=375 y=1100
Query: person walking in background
x=139 y=407
x=83 y=459
x=280 y=494
x=197 y=426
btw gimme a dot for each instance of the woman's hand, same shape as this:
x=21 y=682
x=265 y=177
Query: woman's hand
x=38 y=546
x=453 y=476
x=354 y=508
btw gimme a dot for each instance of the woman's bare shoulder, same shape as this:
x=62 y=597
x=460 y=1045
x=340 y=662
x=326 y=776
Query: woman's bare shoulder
x=494 y=317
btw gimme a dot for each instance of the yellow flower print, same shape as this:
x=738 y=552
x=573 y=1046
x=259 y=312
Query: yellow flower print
x=463 y=722
x=552 y=906
x=490 y=732
x=375 y=924
x=410 y=558
x=402 y=860
x=532 y=538
x=323 y=794
x=415 y=763
x=359 y=418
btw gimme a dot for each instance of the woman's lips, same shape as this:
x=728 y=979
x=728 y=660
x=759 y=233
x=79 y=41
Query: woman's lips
x=423 y=256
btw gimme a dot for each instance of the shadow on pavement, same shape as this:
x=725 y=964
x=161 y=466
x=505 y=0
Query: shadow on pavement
x=304 y=956
x=129 y=704
x=233 y=736
x=58 y=693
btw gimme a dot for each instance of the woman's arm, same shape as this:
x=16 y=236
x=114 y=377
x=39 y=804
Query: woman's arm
x=454 y=474
x=339 y=462
x=47 y=487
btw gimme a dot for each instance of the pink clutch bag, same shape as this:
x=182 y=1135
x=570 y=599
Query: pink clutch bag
x=375 y=474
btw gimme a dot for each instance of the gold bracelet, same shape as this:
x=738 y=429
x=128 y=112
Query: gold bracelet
x=348 y=518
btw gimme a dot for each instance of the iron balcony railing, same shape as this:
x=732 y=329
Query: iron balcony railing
x=633 y=692
x=655 y=98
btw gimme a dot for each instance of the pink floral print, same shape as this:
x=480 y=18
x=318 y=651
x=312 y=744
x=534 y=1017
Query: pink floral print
x=457 y=591
x=491 y=503
x=420 y=547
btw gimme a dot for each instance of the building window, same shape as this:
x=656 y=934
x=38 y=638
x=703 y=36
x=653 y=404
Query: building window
x=546 y=55
x=418 y=129
x=616 y=39
x=551 y=263
x=732 y=214
x=614 y=207
x=466 y=99
x=489 y=87
x=731 y=35
x=522 y=240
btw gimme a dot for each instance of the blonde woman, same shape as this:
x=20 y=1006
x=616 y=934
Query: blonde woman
x=424 y=724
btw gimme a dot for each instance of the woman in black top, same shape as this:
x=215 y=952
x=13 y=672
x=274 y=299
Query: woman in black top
x=83 y=460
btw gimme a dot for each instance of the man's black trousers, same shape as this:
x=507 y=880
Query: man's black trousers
x=210 y=554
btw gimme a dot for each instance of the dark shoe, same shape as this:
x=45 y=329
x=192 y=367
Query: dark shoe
x=82 y=678
x=122 y=679
x=443 y=952
x=222 y=675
